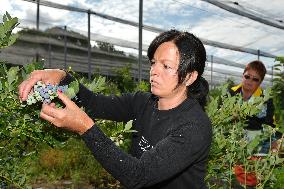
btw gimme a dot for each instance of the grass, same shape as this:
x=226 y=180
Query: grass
x=72 y=165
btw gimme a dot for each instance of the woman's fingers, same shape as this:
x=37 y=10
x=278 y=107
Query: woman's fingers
x=68 y=103
x=52 y=114
x=47 y=117
x=71 y=117
x=52 y=104
x=49 y=110
x=48 y=76
x=26 y=86
x=21 y=89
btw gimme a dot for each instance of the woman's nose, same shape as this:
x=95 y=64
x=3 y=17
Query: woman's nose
x=154 y=70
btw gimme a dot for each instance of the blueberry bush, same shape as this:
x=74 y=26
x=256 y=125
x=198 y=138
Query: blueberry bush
x=231 y=151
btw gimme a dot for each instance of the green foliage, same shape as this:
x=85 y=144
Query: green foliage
x=104 y=46
x=28 y=68
x=230 y=82
x=21 y=129
x=143 y=86
x=122 y=136
x=230 y=147
x=217 y=92
x=278 y=93
x=73 y=89
x=97 y=85
x=126 y=83
x=6 y=28
x=124 y=80
x=279 y=176
x=72 y=162
x=117 y=131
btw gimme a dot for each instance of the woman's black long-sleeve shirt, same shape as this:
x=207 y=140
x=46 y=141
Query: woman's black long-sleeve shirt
x=170 y=149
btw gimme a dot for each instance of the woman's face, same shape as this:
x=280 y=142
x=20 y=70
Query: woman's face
x=163 y=72
x=251 y=81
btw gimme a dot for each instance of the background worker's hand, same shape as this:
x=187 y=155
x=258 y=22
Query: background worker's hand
x=70 y=117
x=48 y=76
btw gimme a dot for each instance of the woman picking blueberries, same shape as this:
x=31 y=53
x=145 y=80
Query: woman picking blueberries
x=172 y=142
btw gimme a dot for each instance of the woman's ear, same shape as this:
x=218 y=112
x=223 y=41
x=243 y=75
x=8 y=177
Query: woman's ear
x=190 y=78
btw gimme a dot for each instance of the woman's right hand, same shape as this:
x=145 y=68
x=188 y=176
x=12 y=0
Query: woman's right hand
x=48 y=76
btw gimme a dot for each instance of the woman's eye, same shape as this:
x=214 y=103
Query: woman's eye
x=152 y=62
x=166 y=66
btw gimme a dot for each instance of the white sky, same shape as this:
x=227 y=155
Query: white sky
x=200 y=18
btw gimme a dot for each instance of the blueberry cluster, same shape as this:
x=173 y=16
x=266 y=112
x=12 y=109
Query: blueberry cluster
x=44 y=93
x=3 y=185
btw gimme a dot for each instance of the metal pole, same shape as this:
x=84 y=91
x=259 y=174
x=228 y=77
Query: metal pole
x=211 y=72
x=37 y=27
x=272 y=68
x=140 y=40
x=89 y=45
x=258 y=54
x=65 y=47
x=37 y=16
x=49 y=52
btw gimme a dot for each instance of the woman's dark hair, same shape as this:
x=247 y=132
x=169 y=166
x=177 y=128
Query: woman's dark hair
x=192 y=58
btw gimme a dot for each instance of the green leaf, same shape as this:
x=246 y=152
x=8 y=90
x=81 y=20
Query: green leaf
x=13 y=39
x=70 y=93
x=39 y=65
x=12 y=74
x=27 y=117
x=7 y=38
x=280 y=59
x=128 y=125
x=29 y=68
x=253 y=144
x=8 y=16
x=278 y=160
x=75 y=86
x=72 y=90
x=2 y=34
x=98 y=84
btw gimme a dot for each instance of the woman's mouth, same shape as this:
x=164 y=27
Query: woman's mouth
x=153 y=82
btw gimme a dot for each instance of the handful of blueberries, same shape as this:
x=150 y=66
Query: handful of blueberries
x=44 y=93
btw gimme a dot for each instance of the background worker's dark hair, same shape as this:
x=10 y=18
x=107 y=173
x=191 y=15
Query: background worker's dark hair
x=192 y=58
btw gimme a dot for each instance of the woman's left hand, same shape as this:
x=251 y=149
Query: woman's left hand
x=70 y=117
